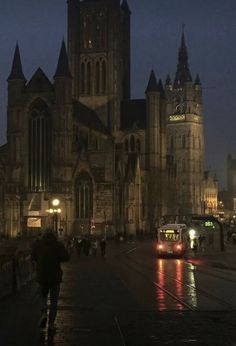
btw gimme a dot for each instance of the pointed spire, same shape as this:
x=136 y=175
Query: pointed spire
x=63 y=69
x=152 y=84
x=197 y=80
x=125 y=6
x=161 y=89
x=183 y=73
x=168 y=80
x=16 y=70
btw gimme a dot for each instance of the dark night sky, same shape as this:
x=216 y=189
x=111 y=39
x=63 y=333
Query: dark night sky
x=210 y=31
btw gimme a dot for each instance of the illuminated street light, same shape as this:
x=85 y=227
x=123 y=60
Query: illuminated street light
x=55 y=212
x=55 y=202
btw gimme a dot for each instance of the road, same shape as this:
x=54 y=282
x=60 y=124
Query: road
x=130 y=298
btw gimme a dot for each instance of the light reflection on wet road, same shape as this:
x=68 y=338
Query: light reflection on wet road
x=180 y=285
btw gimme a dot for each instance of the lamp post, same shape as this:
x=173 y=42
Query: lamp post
x=55 y=211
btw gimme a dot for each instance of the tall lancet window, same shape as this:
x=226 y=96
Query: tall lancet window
x=39 y=137
x=84 y=196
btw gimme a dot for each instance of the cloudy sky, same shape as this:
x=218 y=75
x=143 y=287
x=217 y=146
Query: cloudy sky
x=210 y=31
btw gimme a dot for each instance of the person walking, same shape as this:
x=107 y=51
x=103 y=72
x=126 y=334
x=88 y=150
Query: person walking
x=48 y=253
x=94 y=247
x=103 y=247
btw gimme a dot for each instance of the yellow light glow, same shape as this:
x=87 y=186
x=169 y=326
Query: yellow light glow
x=55 y=202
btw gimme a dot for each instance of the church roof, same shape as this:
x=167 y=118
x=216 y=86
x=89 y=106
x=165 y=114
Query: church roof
x=63 y=69
x=16 y=70
x=88 y=117
x=133 y=114
x=39 y=82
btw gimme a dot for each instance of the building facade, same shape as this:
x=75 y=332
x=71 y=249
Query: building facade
x=115 y=164
x=210 y=200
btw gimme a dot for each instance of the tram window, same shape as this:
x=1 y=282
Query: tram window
x=167 y=236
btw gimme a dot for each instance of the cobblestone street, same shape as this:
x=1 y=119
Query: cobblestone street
x=96 y=308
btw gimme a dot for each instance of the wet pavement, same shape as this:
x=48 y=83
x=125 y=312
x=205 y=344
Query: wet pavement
x=97 y=308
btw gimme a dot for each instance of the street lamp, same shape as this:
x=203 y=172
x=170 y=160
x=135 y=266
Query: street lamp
x=55 y=212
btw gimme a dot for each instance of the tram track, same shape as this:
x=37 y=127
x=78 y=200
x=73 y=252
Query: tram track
x=203 y=292
x=209 y=273
x=166 y=291
x=121 y=334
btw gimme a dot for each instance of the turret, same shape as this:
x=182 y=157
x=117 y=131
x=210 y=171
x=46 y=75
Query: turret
x=153 y=122
x=63 y=78
x=125 y=7
x=16 y=79
x=126 y=48
x=168 y=84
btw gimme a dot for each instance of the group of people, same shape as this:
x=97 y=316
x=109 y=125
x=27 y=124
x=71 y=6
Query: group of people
x=89 y=246
x=48 y=253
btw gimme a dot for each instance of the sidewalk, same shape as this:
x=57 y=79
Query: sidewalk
x=217 y=259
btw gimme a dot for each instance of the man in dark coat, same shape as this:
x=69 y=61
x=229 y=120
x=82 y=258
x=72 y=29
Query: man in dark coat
x=48 y=253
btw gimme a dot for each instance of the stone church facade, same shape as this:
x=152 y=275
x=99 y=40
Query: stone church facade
x=115 y=164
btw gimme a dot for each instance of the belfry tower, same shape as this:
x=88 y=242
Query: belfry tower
x=99 y=55
x=185 y=134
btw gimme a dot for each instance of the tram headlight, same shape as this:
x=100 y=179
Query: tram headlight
x=159 y=246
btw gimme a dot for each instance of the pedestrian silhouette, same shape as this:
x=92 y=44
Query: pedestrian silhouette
x=103 y=247
x=48 y=253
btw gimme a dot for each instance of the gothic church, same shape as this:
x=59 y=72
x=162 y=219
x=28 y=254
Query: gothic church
x=115 y=164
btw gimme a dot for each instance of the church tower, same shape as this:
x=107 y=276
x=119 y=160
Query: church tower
x=99 y=56
x=185 y=134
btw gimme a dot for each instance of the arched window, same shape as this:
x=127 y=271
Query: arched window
x=97 y=77
x=171 y=144
x=184 y=165
x=84 y=196
x=82 y=78
x=183 y=141
x=88 y=78
x=126 y=145
x=138 y=146
x=104 y=77
x=39 y=139
x=132 y=143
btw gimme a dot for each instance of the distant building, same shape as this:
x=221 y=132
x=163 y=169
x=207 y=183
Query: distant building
x=210 y=200
x=111 y=161
x=230 y=200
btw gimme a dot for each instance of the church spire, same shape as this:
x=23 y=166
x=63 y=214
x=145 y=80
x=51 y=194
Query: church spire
x=125 y=6
x=183 y=73
x=63 y=69
x=16 y=70
x=161 y=89
x=152 y=84
x=197 y=80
